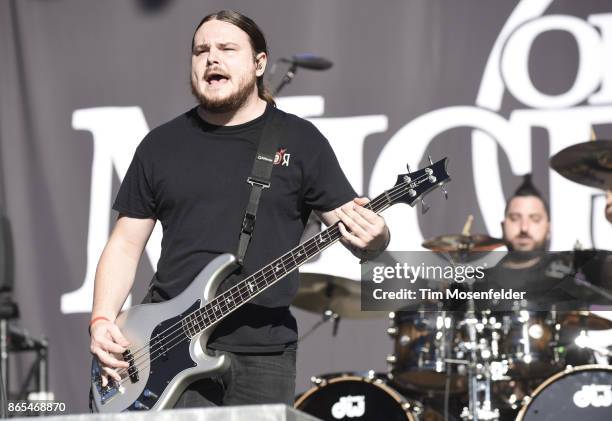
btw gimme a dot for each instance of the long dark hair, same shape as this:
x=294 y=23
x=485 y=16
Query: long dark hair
x=256 y=37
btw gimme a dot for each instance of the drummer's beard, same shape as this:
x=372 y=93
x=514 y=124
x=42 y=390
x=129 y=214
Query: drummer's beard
x=538 y=248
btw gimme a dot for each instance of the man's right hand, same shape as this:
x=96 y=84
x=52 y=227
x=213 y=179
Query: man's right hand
x=107 y=342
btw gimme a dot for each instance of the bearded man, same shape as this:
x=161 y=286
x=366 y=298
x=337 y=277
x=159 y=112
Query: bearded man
x=190 y=174
x=526 y=224
x=526 y=233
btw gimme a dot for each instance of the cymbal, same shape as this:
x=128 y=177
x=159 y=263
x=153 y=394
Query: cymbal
x=581 y=258
x=584 y=320
x=452 y=243
x=319 y=292
x=588 y=163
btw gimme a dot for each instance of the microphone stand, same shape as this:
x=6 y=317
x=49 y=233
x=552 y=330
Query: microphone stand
x=8 y=310
x=287 y=78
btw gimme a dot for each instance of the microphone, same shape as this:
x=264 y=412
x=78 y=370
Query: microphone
x=308 y=61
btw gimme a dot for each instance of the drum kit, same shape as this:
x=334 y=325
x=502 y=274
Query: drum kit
x=476 y=363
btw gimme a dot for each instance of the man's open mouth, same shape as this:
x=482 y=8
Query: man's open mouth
x=216 y=78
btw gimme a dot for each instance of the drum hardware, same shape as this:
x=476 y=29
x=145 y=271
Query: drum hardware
x=328 y=315
x=480 y=403
x=479 y=374
x=475 y=348
x=475 y=340
x=500 y=357
x=370 y=375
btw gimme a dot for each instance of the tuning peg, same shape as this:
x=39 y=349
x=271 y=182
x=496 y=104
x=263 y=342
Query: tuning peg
x=424 y=207
x=408 y=167
x=430 y=160
x=444 y=192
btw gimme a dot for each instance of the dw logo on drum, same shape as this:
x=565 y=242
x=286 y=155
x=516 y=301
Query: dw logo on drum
x=349 y=406
x=595 y=395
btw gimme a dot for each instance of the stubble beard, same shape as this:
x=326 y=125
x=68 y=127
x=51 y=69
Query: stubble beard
x=228 y=103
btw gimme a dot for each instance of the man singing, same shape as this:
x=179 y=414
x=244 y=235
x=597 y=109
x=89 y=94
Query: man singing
x=190 y=174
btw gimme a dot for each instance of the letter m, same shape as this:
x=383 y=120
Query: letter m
x=116 y=132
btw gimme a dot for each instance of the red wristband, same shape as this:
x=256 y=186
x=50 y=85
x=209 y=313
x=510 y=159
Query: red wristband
x=95 y=319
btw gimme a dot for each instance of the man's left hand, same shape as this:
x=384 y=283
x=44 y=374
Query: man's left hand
x=360 y=227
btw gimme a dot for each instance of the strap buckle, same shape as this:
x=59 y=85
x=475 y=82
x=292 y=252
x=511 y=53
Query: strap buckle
x=248 y=223
x=253 y=181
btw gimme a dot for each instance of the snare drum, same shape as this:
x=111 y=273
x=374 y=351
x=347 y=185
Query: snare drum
x=351 y=397
x=579 y=393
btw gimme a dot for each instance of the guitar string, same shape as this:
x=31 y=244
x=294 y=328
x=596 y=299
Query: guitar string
x=179 y=333
x=169 y=339
x=262 y=279
x=240 y=288
x=178 y=336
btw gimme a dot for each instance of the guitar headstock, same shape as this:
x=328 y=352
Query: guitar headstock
x=413 y=186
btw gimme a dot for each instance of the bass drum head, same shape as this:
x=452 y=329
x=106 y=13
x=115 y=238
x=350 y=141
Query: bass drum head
x=354 y=398
x=581 y=393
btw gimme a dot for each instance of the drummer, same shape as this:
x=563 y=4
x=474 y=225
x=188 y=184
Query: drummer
x=527 y=266
x=526 y=224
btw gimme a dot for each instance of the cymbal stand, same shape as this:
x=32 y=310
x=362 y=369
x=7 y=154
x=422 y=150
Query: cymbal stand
x=478 y=382
x=328 y=315
x=479 y=376
x=8 y=311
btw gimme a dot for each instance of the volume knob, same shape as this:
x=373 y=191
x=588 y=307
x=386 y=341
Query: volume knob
x=140 y=405
x=149 y=394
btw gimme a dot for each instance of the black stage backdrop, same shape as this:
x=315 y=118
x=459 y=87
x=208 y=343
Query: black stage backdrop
x=497 y=87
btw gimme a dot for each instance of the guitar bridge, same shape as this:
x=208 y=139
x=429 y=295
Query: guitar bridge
x=132 y=370
x=106 y=392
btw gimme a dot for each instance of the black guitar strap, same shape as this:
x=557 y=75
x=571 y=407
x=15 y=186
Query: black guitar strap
x=260 y=177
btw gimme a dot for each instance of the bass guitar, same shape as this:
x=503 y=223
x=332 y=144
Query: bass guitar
x=168 y=340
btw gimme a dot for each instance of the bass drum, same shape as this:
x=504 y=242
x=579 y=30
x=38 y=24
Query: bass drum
x=356 y=398
x=579 y=393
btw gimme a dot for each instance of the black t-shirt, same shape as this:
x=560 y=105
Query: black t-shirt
x=544 y=283
x=191 y=176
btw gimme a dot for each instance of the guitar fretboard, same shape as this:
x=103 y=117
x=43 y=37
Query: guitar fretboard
x=244 y=291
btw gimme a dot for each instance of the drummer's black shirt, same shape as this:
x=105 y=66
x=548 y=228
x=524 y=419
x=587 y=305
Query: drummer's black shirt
x=191 y=176
x=545 y=283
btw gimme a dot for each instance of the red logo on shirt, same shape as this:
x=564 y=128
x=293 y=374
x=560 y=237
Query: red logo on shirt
x=282 y=157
